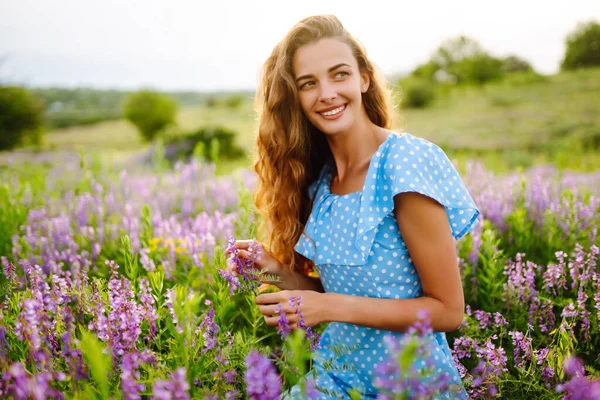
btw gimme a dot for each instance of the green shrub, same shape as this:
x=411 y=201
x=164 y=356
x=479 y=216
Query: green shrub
x=521 y=78
x=21 y=117
x=234 y=102
x=416 y=92
x=426 y=71
x=583 y=47
x=67 y=119
x=514 y=63
x=150 y=112
x=478 y=69
x=215 y=142
x=462 y=60
x=211 y=101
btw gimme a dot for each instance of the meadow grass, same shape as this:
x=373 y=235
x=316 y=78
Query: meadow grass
x=503 y=124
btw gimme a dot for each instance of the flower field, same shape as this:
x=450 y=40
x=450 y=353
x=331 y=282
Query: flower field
x=112 y=286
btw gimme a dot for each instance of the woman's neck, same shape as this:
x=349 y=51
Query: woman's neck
x=353 y=150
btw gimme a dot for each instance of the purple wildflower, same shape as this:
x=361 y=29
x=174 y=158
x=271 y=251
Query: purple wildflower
x=483 y=382
x=242 y=267
x=233 y=281
x=463 y=346
x=578 y=387
x=421 y=327
x=36 y=323
x=122 y=326
x=262 y=381
x=554 y=277
x=8 y=269
x=569 y=311
x=496 y=356
x=129 y=375
x=20 y=386
x=177 y=388
x=147 y=307
x=124 y=318
x=3 y=343
x=283 y=325
x=392 y=379
x=499 y=320
x=170 y=295
x=521 y=279
x=146 y=261
x=71 y=354
x=522 y=346
x=311 y=390
x=209 y=329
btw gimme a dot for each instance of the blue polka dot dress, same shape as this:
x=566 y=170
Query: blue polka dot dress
x=358 y=250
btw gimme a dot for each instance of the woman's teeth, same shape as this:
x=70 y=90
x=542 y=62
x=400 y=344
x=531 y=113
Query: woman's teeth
x=333 y=112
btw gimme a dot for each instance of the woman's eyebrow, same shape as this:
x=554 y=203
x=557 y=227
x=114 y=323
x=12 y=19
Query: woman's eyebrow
x=329 y=70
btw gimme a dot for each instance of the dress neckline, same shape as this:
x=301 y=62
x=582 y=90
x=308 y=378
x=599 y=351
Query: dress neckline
x=331 y=165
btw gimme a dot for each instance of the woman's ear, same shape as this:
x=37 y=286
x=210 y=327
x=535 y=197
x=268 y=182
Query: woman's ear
x=365 y=82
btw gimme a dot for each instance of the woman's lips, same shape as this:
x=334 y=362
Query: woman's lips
x=335 y=116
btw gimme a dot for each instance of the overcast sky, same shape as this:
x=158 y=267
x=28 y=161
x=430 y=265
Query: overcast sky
x=221 y=44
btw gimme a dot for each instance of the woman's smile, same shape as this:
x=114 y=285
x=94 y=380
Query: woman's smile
x=333 y=114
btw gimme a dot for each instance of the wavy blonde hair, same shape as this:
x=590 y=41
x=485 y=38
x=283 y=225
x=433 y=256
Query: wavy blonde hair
x=290 y=150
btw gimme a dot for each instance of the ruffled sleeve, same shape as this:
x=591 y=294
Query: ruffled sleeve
x=405 y=163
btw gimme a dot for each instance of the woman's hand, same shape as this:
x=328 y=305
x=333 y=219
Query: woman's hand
x=266 y=262
x=312 y=306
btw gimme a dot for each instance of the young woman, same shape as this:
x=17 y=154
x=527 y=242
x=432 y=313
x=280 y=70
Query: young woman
x=375 y=211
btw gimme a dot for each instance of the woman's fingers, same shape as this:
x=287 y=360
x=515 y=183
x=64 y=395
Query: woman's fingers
x=272 y=318
x=274 y=321
x=243 y=254
x=241 y=244
x=270 y=309
x=231 y=268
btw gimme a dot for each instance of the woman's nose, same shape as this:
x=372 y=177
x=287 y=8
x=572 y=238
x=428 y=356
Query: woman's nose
x=327 y=92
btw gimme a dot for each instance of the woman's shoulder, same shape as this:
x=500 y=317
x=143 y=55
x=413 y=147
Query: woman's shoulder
x=407 y=163
x=405 y=148
x=402 y=140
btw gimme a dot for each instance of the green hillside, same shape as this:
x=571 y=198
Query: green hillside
x=517 y=122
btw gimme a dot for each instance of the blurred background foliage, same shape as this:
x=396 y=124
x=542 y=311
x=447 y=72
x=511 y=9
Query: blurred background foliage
x=463 y=98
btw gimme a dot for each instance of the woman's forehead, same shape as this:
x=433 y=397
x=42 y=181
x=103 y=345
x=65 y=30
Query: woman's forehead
x=318 y=57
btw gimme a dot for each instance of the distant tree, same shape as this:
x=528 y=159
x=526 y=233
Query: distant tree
x=583 y=47
x=514 y=63
x=461 y=60
x=21 y=117
x=452 y=51
x=234 y=102
x=211 y=101
x=150 y=112
x=479 y=69
x=426 y=71
x=416 y=92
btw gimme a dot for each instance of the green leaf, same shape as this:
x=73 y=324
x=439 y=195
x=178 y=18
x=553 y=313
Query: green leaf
x=131 y=260
x=99 y=362
x=157 y=278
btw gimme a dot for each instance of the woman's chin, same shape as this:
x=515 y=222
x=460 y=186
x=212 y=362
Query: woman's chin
x=334 y=127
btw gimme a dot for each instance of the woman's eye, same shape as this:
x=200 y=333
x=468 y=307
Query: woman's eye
x=342 y=73
x=305 y=84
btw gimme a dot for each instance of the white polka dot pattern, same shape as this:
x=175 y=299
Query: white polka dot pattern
x=344 y=229
x=358 y=250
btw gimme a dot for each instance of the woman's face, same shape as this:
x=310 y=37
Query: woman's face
x=330 y=85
